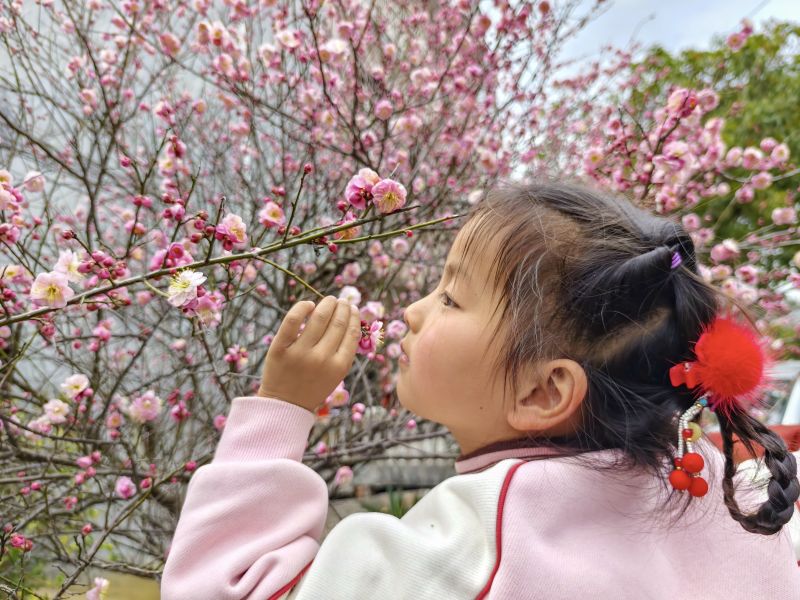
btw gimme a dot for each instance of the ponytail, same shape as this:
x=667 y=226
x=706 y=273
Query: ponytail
x=783 y=487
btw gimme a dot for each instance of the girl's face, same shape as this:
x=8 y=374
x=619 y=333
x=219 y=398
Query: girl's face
x=449 y=377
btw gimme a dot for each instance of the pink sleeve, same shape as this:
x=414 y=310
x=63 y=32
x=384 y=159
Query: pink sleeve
x=253 y=516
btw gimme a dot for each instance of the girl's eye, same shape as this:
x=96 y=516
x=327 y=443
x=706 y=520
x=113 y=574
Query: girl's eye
x=446 y=299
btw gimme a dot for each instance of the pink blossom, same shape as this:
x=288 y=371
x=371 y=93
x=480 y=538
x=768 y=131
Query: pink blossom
x=56 y=411
x=726 y=250
x=9 y=233
x=219 y=422
x=33 y=181
x=344 y=475
x=100 y=589
x=761 y=180
x=780 y=154
x=735 y=41
x=768 y=144
x=786 y=215
x=691 y=222
x=383 y=109
x=7 y=199
x=748 y=274
x=75 y=384
x=84 y=461
x=351 y=272
x=338 y=397
x=744 y=194
x=682 y=102
x=89 y=96
x=592 y=158
x=169 y=43
x=51 y=289
x=146 y=407
x=351 y=294
x=734 y=157
x=371 y=337
x=359 y=189
x=232 y=232
x=288 y=38
x=751 y=158
x=272 y=214
x=388 y=195
x=125 y=488
x=708 y=99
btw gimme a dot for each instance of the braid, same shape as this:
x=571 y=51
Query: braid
x=783 y=487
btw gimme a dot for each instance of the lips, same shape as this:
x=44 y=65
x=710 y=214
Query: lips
x=404 y=350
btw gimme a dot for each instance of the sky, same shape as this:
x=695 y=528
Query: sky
x=674 y=24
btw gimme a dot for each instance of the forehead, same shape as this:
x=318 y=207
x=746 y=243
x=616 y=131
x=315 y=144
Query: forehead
x=471 y=257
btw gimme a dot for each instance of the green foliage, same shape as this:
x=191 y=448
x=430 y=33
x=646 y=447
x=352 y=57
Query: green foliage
x=758 y=88
x=396 y=505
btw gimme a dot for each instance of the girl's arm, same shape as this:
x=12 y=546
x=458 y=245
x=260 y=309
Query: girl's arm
x=253 y=517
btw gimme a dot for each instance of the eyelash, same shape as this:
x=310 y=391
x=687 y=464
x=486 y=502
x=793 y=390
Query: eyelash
x=444 y=295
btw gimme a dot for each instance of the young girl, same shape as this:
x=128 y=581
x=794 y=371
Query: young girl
x=559 y=350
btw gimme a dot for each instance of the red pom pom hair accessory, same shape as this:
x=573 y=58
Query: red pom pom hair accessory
x=730 y=373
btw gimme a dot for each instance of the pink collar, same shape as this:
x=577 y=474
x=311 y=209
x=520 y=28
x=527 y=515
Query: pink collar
x=486 y=456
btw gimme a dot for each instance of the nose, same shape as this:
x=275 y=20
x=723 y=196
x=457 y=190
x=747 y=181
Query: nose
x=410 y=314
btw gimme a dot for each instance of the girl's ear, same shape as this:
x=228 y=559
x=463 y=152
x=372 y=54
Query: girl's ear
x=551 y=400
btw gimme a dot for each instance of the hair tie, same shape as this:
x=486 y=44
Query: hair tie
x=730 y=373
x=676 y=259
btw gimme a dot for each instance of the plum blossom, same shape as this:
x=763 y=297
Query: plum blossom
x=145 y=408
x=726 y=250
x=33 y=181
x=338 y=397
x=351 y=294
x=786 y=215
x=125 y=488
x=169 y=43
x=183 y=287
x=272 y=214
x=56 y=411
x=100 y=589
x=383 y=109
x=232 y=232
x=359 y=189
x=371 y=337
x=74 y=385
x=68 y=263
x=288 y=38
x=332 y=50
x=780 y=154
x=344 y=475
x=762 y=180
x=388 y=195
x=51 y=289
x=751 y=158
x=372 y=310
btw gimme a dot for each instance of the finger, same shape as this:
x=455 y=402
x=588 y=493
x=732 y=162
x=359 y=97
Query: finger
x=318 y=323
x=337 y=328
x=290 y=326
x=349 y=344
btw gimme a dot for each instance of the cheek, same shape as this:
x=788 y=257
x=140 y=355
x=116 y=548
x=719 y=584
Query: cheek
x=446 y=356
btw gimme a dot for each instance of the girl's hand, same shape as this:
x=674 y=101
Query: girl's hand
x=305 y=370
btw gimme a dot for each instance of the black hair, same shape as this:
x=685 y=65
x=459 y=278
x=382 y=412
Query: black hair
x=588 y=276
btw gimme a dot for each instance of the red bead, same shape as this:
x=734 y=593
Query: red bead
x=680 y=480
x=687 y=433
x=698 y=487
x=677 y=461
x=693 y=462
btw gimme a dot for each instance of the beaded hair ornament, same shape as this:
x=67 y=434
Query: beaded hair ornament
x=729 y=374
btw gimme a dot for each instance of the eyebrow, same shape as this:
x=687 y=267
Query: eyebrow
x=449 y=269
